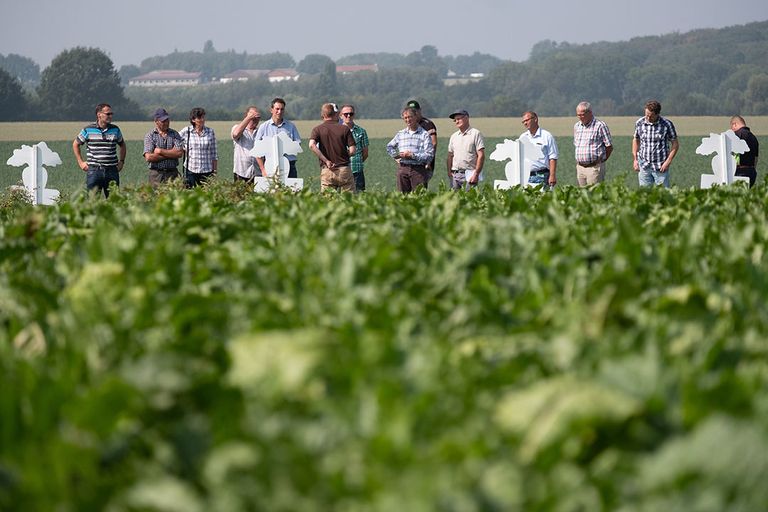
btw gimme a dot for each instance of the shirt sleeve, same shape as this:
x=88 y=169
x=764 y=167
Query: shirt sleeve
x=672 y=132
x=479 y=141
x=392 y=146
x=553 y=154
x=215 y=145
x=149 y=144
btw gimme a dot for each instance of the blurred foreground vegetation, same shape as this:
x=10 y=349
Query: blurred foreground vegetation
x=213 y=350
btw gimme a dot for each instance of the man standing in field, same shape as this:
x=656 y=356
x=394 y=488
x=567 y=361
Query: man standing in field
x=592 y=140
x=431 y=129
x=747 y=162
x=244 y=135
x=361 y=146
x=333 y=144
x=654 y=146
x=544 y=170
x=466 y=153
x=412 y=149
x=162 y=150
x=275 y=125
x=102 y=138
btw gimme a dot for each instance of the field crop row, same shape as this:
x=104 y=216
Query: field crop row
x=215 y=350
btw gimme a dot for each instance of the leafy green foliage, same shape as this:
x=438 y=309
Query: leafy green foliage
x=79 y=79
x=217 y=350
x=13 y=101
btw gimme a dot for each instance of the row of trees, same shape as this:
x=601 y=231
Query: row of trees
x=69 y=89
x=704 y=72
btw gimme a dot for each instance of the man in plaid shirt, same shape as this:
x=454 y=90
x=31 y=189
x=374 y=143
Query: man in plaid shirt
x=654 y=146
x=412 y=149
x=592 y=140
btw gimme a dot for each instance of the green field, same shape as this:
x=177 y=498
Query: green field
x=219 y=351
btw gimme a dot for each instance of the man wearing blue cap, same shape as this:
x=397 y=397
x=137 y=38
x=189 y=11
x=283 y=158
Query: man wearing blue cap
x=162 y=150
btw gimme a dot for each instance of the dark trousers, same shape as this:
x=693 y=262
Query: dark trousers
x=100 y=177
x=359 y=181
x=293 y=172
x=237 y=179
x=160 y=176
x=749 y=172
x=410 y=177
x=195 y=179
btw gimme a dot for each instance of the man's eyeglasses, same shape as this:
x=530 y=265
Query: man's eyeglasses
x=528 y=120
x=348 y=114
x=107 y=113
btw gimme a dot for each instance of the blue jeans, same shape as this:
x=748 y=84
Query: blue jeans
x=100 y=177
x=649 y=175
x=540 y=179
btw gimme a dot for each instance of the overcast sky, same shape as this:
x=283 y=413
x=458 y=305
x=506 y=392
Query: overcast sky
x=132 y=30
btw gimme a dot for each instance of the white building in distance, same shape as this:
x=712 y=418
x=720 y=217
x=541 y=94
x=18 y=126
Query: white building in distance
x=166 y=78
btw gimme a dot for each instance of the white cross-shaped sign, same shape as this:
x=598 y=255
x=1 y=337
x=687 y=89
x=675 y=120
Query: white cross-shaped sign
x=34 y=176
x=723 y=163
x=274 y=150
x=521 y=154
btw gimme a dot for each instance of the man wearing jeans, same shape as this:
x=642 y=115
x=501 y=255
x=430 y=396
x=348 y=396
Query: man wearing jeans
x=654 y=146
x=102 y=166
x=544 y=170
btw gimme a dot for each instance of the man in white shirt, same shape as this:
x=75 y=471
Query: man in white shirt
x=244 y=135
x=545 y=168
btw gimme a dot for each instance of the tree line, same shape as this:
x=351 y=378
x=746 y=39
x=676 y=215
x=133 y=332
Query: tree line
x=701 y=72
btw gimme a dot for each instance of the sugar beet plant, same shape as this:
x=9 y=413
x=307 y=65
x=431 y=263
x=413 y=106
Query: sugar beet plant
x=214 y=350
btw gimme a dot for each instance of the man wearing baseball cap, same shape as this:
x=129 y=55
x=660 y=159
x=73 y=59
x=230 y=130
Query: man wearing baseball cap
x=431 y=129
x=466 y=153
x=162 y=150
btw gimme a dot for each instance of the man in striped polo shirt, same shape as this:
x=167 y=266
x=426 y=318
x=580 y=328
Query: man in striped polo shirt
x=592 y=141
x=102 y=138
x=654 y=146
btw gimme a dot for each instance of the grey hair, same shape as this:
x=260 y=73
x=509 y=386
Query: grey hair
x=587 y=106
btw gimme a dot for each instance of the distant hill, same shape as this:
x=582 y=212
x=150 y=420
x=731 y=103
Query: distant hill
x=709 y=71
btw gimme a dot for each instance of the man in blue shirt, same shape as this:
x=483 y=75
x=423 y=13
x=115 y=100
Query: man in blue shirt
x=544 y=171
x=274 y=126
x=412 y=149
x=102 y=165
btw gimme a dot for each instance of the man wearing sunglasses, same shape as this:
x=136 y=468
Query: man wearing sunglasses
x=244 y=135
x=357 y=160
x=102 y=165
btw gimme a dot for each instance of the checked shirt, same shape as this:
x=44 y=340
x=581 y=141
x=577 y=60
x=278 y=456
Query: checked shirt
x=654 y=140
x=590 y=141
